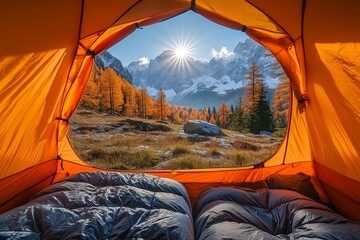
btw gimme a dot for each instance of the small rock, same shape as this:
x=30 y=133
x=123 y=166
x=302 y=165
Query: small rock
x=142 y=147
x=266 y=133
x=200 y=152
x=168 y=153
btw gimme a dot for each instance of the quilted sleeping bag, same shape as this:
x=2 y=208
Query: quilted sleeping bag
x=230 y=213
x=103 y=205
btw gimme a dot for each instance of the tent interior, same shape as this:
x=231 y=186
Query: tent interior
x=47 y=54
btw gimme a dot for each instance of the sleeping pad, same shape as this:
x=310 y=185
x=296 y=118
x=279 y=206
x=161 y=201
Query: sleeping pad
x=103 y=205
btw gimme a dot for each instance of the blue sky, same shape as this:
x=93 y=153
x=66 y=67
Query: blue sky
x=203 y=39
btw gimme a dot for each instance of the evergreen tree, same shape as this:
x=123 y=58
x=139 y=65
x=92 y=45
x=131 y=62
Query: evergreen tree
x=208 y=115
x=239 y=122
x=214 y=113
x=260 y=115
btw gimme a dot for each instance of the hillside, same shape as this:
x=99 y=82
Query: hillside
x=116 y=142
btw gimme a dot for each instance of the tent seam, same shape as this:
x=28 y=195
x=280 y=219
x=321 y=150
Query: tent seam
x=75 y=54
x=273 y=20
x=181 y=171
x=64 y=95
x=122 y=15
x=33 y=166
x=289 y=125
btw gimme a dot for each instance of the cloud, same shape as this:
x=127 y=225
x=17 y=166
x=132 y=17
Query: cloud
x=144 y=61
x=223 y=53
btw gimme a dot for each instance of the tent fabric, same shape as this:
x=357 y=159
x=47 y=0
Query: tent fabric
x=46 y=56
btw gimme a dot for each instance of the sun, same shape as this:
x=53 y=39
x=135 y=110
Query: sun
x=181 y=52
x=183 y=48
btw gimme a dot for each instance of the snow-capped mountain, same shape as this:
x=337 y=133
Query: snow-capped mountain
x=138 y=72
x=168 y=72
x=106 y=60
x=196 y=83
x=203 y=84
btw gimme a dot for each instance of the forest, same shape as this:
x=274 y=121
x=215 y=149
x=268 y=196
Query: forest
x=107 y=92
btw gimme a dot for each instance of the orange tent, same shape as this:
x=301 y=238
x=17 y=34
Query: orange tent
x=47 y=52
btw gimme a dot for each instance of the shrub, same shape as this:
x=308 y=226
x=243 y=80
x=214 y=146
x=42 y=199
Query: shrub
x=186 y=162
x=242 y=145
x=214 y=152
x=245 y=157
x=213 y=146
x=180 y=150
x=279 y=132
x=241 y=159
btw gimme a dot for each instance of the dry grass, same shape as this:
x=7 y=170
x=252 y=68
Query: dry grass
x=191 y=161
x=246 y=157
x=180 y=149
x=106 y=142
x=121 y=159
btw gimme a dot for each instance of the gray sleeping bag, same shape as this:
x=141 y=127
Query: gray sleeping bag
x=229 y=213
x=103 y=205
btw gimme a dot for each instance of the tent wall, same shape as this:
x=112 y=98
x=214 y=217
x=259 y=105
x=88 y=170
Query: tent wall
x=17 y=189
x=333 y=61
x=47 y=55
x=332 y=51
x=38 y=45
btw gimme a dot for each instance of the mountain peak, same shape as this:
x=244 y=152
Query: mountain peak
x=199 y=83
x=109 y=61
x=247 y=45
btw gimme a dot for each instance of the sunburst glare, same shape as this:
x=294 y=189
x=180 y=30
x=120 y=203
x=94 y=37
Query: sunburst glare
x=183 y=48
x=181 y=52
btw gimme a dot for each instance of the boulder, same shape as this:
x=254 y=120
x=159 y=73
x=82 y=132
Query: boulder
x=202 y=128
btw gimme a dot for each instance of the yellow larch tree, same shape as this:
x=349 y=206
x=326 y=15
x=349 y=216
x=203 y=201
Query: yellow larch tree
x=223 y=114
x=253 y=78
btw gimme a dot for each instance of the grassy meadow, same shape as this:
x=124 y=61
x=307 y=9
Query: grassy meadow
x=114 y=142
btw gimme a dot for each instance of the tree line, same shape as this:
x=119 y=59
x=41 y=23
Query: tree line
x=254 y=112
x=106 y=91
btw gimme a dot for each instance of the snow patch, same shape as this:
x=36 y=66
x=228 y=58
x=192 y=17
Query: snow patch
x=144 y=61
x=152 y=91
x=271 y=82
x=170 y=93
x=219 y=86
x=224 y=53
